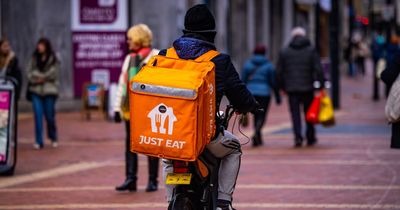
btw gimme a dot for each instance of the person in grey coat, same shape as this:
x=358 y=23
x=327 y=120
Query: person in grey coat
x=299 y=69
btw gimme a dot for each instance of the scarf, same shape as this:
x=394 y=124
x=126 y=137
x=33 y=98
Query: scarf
x=141 y=54
x=137 y=58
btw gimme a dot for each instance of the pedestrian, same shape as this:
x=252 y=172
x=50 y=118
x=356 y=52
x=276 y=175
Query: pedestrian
x=392 y=49
x=378 y=49
x=359 y=53
x=9 y=69
x=43 y=90
x=139 y=44
x=9 y=65
x=299 y=71
x=198 y=39
x=260 y=77
x=389 y=76
x=347 y=55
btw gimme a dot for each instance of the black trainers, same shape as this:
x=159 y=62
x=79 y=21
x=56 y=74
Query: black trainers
x=312 y=142
x=298 y=142
x=224 y=205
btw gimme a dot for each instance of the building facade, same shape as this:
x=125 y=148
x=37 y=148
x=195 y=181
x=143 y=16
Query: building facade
x=241 y=24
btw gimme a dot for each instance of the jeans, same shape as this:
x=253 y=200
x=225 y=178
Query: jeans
x=44 y=105
x=295 y=101
x=228 y=148
x=351 y=69
x=360 y=65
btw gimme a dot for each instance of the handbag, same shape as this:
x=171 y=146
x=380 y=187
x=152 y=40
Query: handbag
x=313 y=111
x=380 y=67
x=392 y=106
x=326 y=114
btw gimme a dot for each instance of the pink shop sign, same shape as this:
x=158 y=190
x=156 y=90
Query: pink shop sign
x=100 y=51
x=4 y=100
x=98 y=11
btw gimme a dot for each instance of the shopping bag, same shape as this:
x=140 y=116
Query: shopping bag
x=392 y=107
x=380 y=67
x=313 y=111
x=326 y=114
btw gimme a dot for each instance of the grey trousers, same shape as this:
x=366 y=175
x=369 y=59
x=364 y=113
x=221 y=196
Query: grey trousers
x=226 y=147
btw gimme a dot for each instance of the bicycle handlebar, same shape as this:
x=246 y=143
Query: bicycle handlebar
x=230 y=110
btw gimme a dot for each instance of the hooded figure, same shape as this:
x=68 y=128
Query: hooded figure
x=259 y=75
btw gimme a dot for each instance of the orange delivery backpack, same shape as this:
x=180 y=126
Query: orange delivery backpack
x=172 y=103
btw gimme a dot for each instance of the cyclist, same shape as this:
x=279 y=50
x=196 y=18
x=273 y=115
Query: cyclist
x=198 y=38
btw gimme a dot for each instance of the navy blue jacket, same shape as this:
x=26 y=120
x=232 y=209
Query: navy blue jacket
x=227 y=81
x=390 y=74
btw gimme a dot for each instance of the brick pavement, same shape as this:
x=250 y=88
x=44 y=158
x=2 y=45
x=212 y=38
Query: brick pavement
x=352 y=167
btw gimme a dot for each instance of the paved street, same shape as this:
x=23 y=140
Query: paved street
x=352 y=166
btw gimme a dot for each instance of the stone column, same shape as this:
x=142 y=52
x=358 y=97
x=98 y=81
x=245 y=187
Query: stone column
x=287 y=20
x=251 y=29
x=162 y=19
x=266 y=27
x=312 y=24
x=221 y=16
x=238 y=32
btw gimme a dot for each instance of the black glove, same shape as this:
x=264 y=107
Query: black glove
x=257 y=108
x=117 y=117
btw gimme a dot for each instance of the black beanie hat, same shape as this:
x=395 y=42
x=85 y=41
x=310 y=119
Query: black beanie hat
x=199 y=19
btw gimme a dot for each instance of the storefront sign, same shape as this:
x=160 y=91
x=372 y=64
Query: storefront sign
x=99 y=42
x=95 y=95
x=4 y=119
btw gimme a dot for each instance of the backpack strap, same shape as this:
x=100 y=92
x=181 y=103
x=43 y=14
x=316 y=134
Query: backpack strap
x=208 y=56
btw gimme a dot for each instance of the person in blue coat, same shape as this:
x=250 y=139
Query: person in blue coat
x=259 y=75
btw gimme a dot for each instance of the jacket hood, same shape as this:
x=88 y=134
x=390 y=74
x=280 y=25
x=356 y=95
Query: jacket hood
x=299 y=42
x=258 y=59
x=189 y=47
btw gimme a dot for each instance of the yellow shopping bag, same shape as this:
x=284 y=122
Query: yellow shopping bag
x=326 y=114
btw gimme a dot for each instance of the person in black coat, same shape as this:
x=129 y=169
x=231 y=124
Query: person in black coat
x=299 y=67
x=389 y=76
x=198 y=38
x=9 y=65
